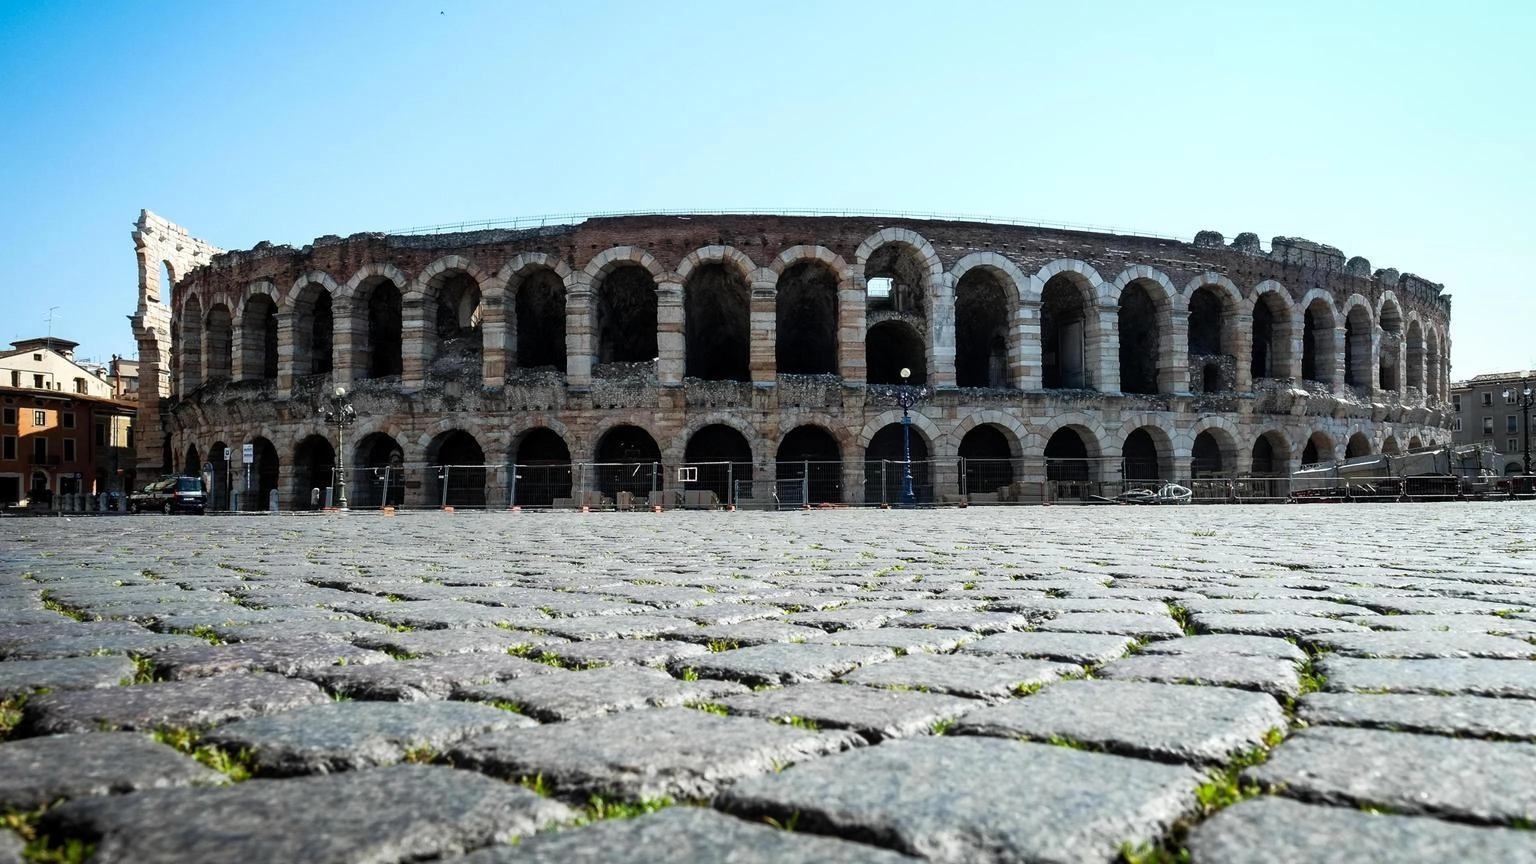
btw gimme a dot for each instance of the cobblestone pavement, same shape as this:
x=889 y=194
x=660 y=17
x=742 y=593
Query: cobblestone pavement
x=1325 y=683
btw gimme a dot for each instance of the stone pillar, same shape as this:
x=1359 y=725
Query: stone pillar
x=1024 y=347
x=1242 y=347
x=1103 y=353
x=493 y=341
x=941 y=334
x=349 y=333
x=1175 y=375
x=1336 y=358
x=286 y=325
x=671 y=348
x=763 y=325
x=578 y=336
x=851 y=326
x=413 y=342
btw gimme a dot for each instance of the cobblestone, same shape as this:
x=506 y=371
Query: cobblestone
x=899 y=656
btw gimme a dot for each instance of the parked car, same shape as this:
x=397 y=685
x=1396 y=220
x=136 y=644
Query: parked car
x=169 y=495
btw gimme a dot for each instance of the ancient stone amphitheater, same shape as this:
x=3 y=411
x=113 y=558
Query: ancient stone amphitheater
x=753 y=359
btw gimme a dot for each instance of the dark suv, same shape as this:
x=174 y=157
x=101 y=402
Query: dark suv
x=170 y=495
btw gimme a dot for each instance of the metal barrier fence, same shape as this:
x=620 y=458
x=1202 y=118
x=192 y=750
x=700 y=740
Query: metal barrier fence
x=812 y=483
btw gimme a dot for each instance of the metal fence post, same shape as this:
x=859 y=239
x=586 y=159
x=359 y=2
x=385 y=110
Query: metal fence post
x=446 y=470
x=512 y=485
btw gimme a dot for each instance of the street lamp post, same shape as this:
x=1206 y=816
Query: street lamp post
x=343 y=415
x=1526 y=399
x=906 y=397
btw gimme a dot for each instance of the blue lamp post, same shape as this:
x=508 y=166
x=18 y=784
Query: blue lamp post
x=906 y=397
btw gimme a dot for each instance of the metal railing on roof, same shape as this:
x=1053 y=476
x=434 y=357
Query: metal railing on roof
x=527 y=222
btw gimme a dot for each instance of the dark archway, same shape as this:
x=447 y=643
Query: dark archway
x=724 y=462
x=1271 y=351
x=885 y=466
x=543 y=463
x=541 y=321
x=810 y=457
x=981 y=330
x=1317 y=352
x=1357 y=347
x=1358 y=445
x=382 y=471
x=258 y=339
x=1205 y=320
x=457 y=470
x=1139 y=337
x=806 y=335
x=313 y=331
x=1066 y=459
x=987 y=455
x=897 y=278
x=264 y=471
x=456 y=339
x=314 y=467
x=189 y=359
x=191 y=465
x=219 y=334
x=628 y=461
x=626 y=316
x=1063 y=335
x=1319 y=448
x=1268 y=461
x=384 y=330
x=717 y=303
x=1415 y=374
x=223 y=473
x=1206 y=457
x=891 y=346
x=1141 y=462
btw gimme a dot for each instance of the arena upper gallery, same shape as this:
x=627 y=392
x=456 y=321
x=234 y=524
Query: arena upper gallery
x=765 y=351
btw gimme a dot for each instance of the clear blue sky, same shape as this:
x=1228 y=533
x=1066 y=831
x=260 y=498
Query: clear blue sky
x=1399 y=131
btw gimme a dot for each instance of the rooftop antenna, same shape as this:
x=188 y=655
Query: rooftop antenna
x=49 y=341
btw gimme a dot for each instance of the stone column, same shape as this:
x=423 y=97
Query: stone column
x=1024 y=347
x=763 y=325
x=1242 y=347
x=286 y=355
x=344 y=347
x=851 y=325
x=941 y=334
x=493 y=342
x=671 y=357
x=1174 y=376
x=578 y=336
x=413 y=342
x=1103 y=352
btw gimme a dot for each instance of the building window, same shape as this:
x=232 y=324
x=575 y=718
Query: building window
x=40 y=419
x=69 y=449
x=1487 y=425
x=9 y=417
x=8 y=447
x=1456 y=425
x=40 y=450
x=79 y=385
x=69 y=419
x=101 y=434
x=1487 y=399
x=1455 y=401
x=1512 y=445
x=1512 y=424
x=37 y=381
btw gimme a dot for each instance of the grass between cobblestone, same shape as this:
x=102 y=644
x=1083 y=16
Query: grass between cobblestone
x=40 y=847
x=10 y=715
x=238 y=765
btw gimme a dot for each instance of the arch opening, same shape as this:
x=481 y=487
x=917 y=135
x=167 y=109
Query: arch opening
x=458 y=470
x=809 y=467
x=191 y=346
x=885 y=467
x=806 y=310
x=384 y=343
x=314 y=332
x=1358 y=445
x=541 y=321
x=1206 y=457
x=981 y=330
x=1066 y=462
x=626 y=316
x=191 y=464
x=1317 y=350
x=987 y=454
x=1271 y=348
x=1415 y=352
x=219 y=333
x=723 y=458
x=314 y=468
x=1063 y=342
x=543 y=464
x=1141 y=461
x=891 y=346
x=901 y=280
x=629 y=460
x=1139 y=337
x=382 y=464
x=264 y=472
x=717 y=301
x=456 y=341
x=1357 y=348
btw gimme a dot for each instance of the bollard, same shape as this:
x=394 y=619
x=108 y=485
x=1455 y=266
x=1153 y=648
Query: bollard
x=272 y=501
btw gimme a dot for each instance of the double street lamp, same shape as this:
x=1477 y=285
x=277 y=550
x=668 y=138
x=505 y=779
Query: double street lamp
x=343 y=415
x=1524 y=398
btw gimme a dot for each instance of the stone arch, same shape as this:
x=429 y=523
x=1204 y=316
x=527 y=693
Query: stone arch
x=986 y=310
x=1271 y=455
x=1146 y=452
x=1213 y=449
x=755 y=438
x=624 y=284
x=1359 y=343
x=1016 y=432
x=456 y=467
x=906 y=258
x=813 y=453
x=920 y=423
x=990 y=457
x=890 y=346
x=1273 y=315
x=717 y=309
x=1211 y=303
x=1390 y=446
x=1144 y=300
x=540 y=460
x=375 y=302
x=1414 y=355
x=809 y=311
x=627 y=457
x=258 y=333
x=187 y=347
x=1359 y=444
x=1319 y=345
x=1434 y=376
x=218 y=343
x=309 y=308
x=450 y=336
x=534 y=308
x=1316 y=448
x=1070 y=336
x=886 y=464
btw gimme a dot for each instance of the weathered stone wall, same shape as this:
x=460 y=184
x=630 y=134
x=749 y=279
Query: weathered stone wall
x=498 y=403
